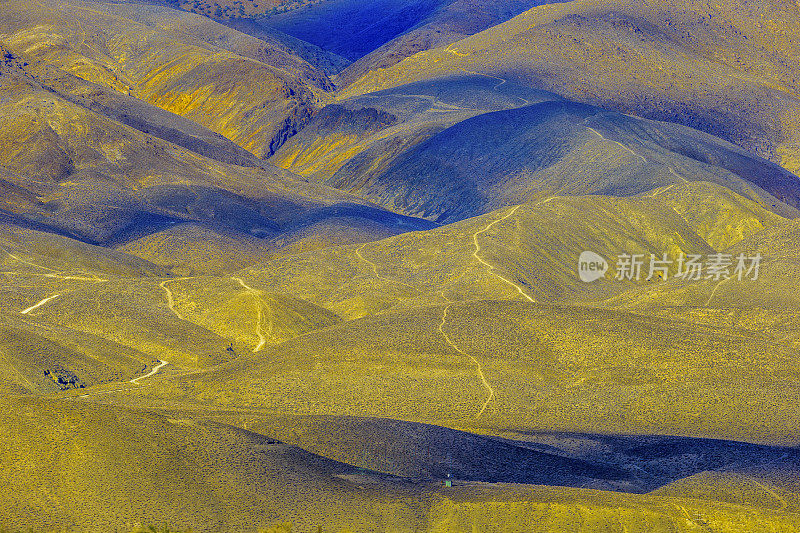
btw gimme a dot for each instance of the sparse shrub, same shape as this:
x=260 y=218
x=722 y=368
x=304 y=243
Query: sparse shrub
x=162 y=529
x=278 y=528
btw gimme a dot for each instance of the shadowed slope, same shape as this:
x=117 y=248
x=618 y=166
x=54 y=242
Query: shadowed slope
x=254 y=104
x=351 y=28
x=139 y=115
x=361 y=137
x=244 y=303
x=549 y=368
x=103 y=468
x=71 y=166
x=509 y=157
x=54 y=256
x=452 y=22
x=200 y=321
x=713 y=67
x=510 y=253
x=606 y=462
x=241 y=36
x=119 y=468
x=422 y=451
x=453 y=148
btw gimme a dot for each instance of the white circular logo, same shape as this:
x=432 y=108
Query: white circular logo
x=591 y=267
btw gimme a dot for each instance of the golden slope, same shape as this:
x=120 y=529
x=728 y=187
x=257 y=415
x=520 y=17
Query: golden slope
x=247 y=101
x=502 y=365
x=107 y=468
x=767 y=305
x=203 y=250
x=453 y=148
x=527 y=252
x=518 y=366
x=370 y=132
x=74 y=465
x=728 y=69
x=77 y=167
x=91 y=301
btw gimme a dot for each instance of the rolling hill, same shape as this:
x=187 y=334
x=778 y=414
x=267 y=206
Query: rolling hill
x=768 y=304
x=242 y=37
x=253 y=103
x=104 y=467
x=350 y=28
x=103 y=168
x=724 y=69
x=112 y=467
x=506 y=366
x=450 y=23
x=527 y=252
x=414 y=150
x=320 y=266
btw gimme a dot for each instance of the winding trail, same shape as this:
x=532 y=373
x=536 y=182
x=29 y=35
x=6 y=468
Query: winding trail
x=476 y=254
x=39 y=304
x=662 y=190
x=693 y=520
x=781 y=500
x=640 y=156
x=262 y=339
x=374 y=268
x=51 y=273
x=171 y=297
x=503 y=81
x=161 y=364
x=454 y=52
x=432 y=99
x=714 y=292
x=478 y=365
x=73 y=278
x=672 y=171
x=156 y=369
x=492 y=270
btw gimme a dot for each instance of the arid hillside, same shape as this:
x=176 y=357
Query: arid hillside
x=399 y=265
x=255 y=103
x=729 y=70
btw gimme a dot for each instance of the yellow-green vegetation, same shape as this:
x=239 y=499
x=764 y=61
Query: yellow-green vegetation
x=64 y=301
x=205 y=251
x=250 y=102
x=235 y=9
x=383 y=328
x=767 y=305
x=516 y=365
x=526 y=252
x=72 y=465
x=456 y=331
x=725 y=68
x=79 y=162
x=371 y=132
x=554 y=510
x=106 y=467
x=451 y=149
